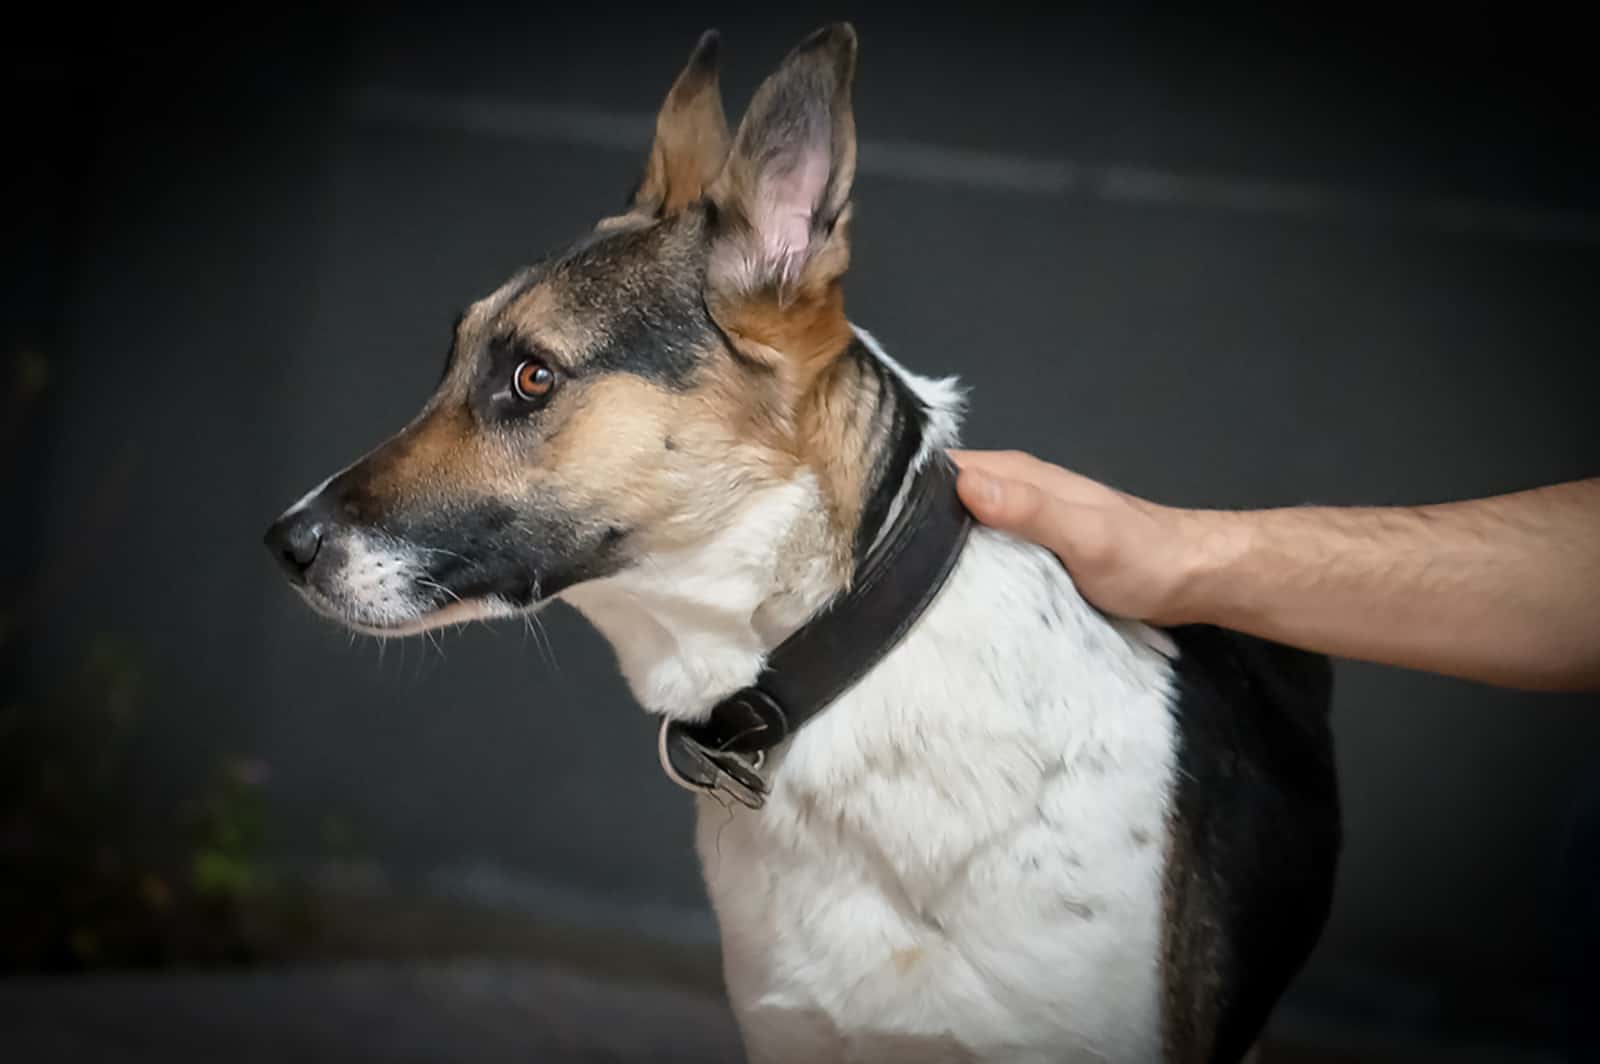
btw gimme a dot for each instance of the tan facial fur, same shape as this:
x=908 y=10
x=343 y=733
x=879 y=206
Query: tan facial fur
x=695 y=342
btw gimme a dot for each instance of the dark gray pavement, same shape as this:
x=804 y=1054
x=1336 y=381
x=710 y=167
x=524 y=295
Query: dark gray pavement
x=485 y=1012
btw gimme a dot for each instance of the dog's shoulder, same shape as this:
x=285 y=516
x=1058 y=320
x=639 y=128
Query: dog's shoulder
x=1255 y=834
x=1263 y=684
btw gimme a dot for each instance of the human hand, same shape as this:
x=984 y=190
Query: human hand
x=1127 y=556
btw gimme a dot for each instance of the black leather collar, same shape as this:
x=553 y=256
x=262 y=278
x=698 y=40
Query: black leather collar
x=892 y=587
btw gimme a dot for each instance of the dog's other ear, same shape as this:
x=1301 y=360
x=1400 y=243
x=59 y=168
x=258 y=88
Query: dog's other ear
x=781 y=201
x=691 y=137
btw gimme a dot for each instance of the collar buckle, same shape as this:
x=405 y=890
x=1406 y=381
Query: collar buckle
x=700 y=769
x=724 y=754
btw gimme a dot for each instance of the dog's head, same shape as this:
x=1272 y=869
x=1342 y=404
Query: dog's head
x=623 y=399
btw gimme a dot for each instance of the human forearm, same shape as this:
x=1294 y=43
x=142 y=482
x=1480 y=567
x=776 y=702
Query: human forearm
x=1503 y=590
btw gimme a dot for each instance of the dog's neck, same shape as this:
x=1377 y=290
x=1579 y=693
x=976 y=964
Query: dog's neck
x=694 y=626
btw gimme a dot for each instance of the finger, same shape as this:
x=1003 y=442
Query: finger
x=982 y=491
x=1014 y=464
x=1014 y=506
x=1021 y=466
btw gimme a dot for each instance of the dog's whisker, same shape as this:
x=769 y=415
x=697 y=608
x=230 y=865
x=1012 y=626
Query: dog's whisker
x=532 y=628
x=439 y=550
x=540 y=631
x=425 y=582
x=530 y=632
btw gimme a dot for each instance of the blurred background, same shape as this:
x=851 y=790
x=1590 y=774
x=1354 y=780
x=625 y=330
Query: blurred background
x=1246 y=259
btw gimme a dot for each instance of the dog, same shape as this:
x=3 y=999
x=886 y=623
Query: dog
x=995 y=824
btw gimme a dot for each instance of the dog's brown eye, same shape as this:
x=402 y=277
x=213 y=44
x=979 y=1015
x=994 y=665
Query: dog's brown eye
x=534 y=380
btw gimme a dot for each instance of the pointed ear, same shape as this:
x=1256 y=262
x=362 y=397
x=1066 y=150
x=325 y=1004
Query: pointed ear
x=691 y=136
x=786 y=186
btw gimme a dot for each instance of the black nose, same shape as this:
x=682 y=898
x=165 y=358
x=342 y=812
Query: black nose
x=295 y=540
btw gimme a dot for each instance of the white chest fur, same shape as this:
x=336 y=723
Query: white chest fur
x=962 y=858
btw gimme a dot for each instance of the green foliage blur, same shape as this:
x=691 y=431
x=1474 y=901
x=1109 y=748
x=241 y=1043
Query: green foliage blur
x=89 y=881
x=88 y=878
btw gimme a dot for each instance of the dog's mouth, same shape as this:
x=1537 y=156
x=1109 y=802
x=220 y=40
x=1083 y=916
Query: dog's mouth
x=387 y=587
x=399 y=578
x=412 y=616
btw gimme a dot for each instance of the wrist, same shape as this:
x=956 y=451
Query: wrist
x=1210 y=546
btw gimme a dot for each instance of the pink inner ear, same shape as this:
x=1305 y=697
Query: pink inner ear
x=786 y=204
